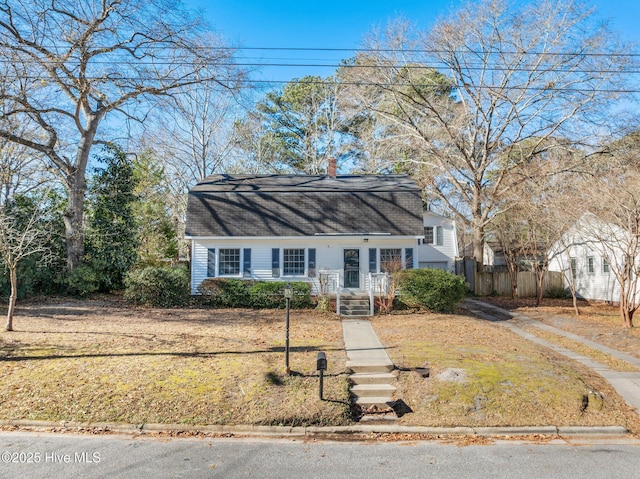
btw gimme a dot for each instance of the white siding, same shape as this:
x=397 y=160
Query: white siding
x=579 y=244
x=329 y=254
x=447 y=252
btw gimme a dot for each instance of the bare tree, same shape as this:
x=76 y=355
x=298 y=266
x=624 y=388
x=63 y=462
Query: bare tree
x=614 y=226
x=18 y=240
x=487 y=91
x=74 y=62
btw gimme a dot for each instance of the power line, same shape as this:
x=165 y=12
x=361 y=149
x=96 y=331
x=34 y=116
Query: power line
x=363 y=84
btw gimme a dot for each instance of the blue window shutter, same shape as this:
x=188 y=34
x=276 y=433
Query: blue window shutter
x=246 y=263
x=211 y=263
x=373 y=260
x=408 y=257
x=275 y=262
x=311 y=267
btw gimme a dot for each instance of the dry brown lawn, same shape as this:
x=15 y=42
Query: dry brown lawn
x=93 y=361
x=484 y=375
x=103 y=360
x=599 y=322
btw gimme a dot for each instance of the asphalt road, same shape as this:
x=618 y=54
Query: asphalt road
x=66 y=456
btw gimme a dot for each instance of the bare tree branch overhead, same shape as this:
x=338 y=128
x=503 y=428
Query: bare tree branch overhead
x=71 y=64
x=487 y=91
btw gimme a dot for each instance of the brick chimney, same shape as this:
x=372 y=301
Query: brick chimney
x=332 y=168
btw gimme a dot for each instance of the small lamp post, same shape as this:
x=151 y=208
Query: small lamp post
x=288 y=294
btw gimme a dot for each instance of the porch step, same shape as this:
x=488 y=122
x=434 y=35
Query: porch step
x=354 y=306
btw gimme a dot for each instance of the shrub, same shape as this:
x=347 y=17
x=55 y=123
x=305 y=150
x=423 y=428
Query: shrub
x=239 y=293
x=162 y=287
x=432 y=289
x=84 y=280
x=557 y=293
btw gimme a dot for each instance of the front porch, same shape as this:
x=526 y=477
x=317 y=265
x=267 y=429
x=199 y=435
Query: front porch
x=352 y=301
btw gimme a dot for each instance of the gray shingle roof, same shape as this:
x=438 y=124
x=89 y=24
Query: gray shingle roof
x=295 y=205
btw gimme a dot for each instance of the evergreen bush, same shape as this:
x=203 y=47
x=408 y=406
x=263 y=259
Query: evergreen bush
x=239 y=293
x=431 y=289
x=162 y=287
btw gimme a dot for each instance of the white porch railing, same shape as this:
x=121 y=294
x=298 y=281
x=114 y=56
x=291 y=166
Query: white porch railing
x=330 y=281
x=378 y=285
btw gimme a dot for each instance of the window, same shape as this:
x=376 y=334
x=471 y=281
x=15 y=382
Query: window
x=573 y=268
x=229 y=262
x=428 y=235
x=293 y=262
x=605 y=266
x=433 y=235
x=390 y=259
x=590 y=265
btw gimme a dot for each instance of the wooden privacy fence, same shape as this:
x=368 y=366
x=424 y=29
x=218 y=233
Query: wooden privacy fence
x=499 y=283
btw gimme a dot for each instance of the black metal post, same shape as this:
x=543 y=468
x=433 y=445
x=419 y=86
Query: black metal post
x=321 y=383
x=287 y=370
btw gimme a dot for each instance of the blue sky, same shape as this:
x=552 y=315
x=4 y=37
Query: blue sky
x=341 y=24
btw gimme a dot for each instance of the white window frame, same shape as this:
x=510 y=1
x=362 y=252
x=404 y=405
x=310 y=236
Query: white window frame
x=305 y=259
x=219 y=263
x=606 y=267
x=435 y=236
x=591 y=265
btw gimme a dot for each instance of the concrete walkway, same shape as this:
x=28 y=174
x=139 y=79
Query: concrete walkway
x=362 y=345
x=372 y=368
x=627 y=384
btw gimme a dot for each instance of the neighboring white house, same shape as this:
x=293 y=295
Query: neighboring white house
x=295 y=227
x=589 y=254
x=439 y=248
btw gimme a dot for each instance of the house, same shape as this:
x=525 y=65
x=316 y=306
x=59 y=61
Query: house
x=439 y=248
x=590 y=254
x=299 y=228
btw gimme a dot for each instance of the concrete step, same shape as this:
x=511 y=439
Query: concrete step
x=354 y=302
x=381 y=401
x=373 y=378
x=372 y=390
x=370 y=367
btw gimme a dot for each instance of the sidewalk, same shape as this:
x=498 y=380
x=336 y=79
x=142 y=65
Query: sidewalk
x=625 y=383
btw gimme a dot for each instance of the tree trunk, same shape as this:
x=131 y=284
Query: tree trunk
x=626 y=312
x=73 y=220
x=478 y=246
x=12 y=298
x=76 y=184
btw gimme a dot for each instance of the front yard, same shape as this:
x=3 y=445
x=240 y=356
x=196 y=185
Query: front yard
x=91 y=361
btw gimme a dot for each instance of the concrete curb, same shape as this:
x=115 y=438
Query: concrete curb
x=308 y=431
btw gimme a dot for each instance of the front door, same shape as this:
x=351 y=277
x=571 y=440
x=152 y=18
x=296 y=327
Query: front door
x=352 y=268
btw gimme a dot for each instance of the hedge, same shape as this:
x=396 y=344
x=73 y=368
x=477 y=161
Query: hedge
x=163 y=287
x=431 y=289
x=239 y=293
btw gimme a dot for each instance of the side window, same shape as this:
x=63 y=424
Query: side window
x=428 y=235
x=591 y=268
